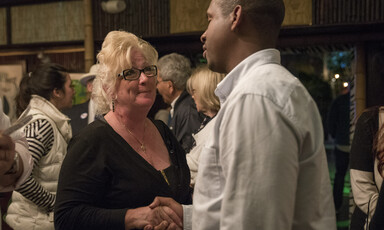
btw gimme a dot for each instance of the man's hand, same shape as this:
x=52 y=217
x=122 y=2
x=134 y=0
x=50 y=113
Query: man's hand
x=168 y=202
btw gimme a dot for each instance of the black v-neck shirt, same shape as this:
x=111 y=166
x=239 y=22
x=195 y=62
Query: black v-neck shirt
x=102 y=176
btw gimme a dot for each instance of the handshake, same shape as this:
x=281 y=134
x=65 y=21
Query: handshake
x=163 y=213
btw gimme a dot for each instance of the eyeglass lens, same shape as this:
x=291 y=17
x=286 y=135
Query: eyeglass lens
x=133 y=74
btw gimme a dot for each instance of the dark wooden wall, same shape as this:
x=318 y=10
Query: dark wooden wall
x=74 y=62
x=331 y=12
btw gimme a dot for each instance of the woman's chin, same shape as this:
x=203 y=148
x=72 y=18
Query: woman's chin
x=145 y=101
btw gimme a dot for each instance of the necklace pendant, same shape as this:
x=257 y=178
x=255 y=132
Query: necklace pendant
x=142 y=148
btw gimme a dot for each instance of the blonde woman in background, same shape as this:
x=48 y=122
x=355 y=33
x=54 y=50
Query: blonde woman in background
x=201 y=85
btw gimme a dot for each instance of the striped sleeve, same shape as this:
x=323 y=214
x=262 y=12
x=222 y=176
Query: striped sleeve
x=40 y=138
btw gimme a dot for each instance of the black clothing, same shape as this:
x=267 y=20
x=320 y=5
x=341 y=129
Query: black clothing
x=338 y=126
x=342 y=164
x=102 y=176
x=377 y=221
x=79 y=116
x=339 y=119
x=363 y=156
x=185 y=121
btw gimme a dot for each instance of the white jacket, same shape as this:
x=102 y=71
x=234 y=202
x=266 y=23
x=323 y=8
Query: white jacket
x=22 y=213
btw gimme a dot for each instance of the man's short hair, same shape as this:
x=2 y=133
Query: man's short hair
x=176 y=68
x=256 y=9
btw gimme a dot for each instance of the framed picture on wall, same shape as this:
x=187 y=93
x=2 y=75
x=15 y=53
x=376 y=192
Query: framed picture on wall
x=10 y=77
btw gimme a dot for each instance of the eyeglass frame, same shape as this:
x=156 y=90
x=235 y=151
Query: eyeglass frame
x=138 y=76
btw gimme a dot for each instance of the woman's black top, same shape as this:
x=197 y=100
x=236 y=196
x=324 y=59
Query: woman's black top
x=102 y=176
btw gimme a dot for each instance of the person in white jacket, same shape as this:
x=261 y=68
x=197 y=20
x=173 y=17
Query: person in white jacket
x=43 y=94
x=15 y=160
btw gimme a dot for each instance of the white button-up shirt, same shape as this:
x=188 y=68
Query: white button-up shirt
x=264 y=166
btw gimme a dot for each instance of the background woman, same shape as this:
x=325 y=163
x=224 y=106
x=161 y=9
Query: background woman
x=367 y=165
x=201 y=85
x=46 y=91
x=117 y=165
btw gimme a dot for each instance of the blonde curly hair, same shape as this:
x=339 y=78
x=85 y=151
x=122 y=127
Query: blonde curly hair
x=114 y=57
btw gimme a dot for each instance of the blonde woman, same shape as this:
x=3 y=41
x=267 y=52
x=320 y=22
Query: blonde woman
x=201 y=85
x=119 y=163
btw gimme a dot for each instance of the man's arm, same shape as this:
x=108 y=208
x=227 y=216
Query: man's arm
x=15 y=159
x=9 y=171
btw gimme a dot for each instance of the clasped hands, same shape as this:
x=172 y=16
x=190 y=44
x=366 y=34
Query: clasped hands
x=163 y=214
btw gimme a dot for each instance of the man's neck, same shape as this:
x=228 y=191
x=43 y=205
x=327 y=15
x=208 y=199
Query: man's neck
x=175 y=96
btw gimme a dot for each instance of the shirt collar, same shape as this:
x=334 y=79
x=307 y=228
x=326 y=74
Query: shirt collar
x=173 y=106
x=225 y=87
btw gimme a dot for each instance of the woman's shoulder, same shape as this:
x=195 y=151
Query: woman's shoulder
x=40 y=123
x=369 y=115
x=95 y=130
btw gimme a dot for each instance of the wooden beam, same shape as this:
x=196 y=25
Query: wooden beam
x=89 y=54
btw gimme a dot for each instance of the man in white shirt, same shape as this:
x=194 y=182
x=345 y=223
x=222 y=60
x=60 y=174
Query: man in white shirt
x=264 y=166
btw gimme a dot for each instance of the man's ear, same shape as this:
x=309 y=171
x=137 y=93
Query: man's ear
x=170 y=86
x=237 y=17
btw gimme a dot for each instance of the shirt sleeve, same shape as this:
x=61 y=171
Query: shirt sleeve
x=260 y=166
x=40 y=138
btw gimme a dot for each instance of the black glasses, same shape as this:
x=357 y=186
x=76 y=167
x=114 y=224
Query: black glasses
x=134 y=74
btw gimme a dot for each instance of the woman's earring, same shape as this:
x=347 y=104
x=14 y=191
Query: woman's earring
x=113 y=103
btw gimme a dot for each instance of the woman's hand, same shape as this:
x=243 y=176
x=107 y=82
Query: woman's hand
x=162 y=217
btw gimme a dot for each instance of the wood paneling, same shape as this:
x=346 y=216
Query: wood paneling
x=145 y=18
x=328 y=12
x=298 y=12
x=52 y=22
x=188 y=16
x=73 y=61
x=3 y=26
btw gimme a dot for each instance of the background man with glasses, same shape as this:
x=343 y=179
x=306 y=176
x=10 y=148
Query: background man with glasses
x=174 y=71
